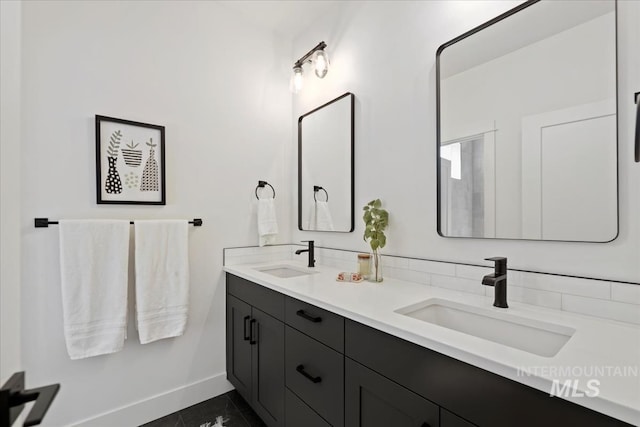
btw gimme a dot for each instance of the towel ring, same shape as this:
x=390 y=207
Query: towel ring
x=262 y=184
x=317 y=188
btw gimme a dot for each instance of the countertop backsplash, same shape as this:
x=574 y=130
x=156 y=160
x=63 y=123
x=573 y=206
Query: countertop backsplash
x=592 y=297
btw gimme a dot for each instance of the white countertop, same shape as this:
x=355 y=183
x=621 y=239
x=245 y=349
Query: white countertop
x=597 y=345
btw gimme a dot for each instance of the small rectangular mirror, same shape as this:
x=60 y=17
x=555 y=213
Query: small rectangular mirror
x=325 y=167
x=527 y=125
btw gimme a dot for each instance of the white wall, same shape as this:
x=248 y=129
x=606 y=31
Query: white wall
x=221 y=89
x=10 y=16
x=384 y=52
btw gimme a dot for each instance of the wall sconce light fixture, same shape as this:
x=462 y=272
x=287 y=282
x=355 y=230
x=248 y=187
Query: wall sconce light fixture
x=316 y=56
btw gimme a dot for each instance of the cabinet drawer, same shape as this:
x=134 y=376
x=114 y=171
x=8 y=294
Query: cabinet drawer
x=326 y=327
x=271 y=302
x=300 y=414
x=315 y=373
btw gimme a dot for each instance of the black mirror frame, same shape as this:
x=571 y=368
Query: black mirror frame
x=438 y=133
x=352 y=162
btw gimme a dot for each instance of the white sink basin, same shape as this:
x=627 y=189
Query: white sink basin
x=537 y=337
x=285 y=271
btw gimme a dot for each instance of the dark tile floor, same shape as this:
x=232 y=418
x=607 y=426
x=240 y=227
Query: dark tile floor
x=231 y=406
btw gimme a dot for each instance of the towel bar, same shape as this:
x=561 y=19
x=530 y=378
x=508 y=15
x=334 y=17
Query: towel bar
x=262 y=184
x=44 y=222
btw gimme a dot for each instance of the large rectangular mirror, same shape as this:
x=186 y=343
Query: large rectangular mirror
x=325 y=167
x=527 y=127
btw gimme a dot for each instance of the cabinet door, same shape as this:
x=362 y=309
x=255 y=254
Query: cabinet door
x=238 y=346
x=372 y=400
x=268 y=368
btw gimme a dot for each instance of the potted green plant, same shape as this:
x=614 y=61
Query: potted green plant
x=376 y=220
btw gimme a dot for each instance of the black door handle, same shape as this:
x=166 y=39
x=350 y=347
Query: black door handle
x=309 y=317
x=315 y=380
x=245 y=336
x=425 y=425
x=252 y=339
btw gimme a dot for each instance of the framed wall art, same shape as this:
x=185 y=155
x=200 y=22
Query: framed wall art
x=129 y=162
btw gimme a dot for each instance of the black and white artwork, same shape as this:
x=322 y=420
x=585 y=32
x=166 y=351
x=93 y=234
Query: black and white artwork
x=129 y=162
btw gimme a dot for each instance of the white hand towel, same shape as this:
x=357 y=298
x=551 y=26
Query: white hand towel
x=94 y=260
x=324 y=222
x=313 y=217
x=162 y=278
x=267 y=222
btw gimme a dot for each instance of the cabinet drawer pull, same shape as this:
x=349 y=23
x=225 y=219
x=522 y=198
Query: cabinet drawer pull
x=252 y=339
x=245 y=336
x=309 y=317
x=425 y=425
x=311 y=378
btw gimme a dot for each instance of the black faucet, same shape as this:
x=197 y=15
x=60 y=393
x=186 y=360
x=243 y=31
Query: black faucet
x=310 y=249
x=498 y=280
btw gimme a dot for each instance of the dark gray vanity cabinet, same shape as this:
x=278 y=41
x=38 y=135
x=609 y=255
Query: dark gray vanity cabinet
x=255 y=347
x=301 y=366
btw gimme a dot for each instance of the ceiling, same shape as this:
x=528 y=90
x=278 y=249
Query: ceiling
x=289 y=18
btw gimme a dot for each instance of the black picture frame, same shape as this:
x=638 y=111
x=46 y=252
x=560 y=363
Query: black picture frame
x=126 y=174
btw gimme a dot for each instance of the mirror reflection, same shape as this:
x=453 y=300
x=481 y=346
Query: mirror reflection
x=527 y=125
x=325 y=167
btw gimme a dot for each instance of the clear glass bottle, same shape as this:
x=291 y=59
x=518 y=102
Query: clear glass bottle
x=364 y=265
x=377 y=267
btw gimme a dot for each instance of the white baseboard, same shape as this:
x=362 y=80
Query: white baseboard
x=162 y=404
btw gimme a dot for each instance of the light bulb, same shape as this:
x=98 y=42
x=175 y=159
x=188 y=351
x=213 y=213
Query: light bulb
x=321 y=63
x=296 y=80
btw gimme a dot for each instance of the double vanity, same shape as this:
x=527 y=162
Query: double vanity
x=516 y=98
x=306 y=350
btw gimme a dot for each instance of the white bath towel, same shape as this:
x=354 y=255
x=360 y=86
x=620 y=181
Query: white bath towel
x=94 y=259
x=324 y=222
x=267 y=222
x=162 y=278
